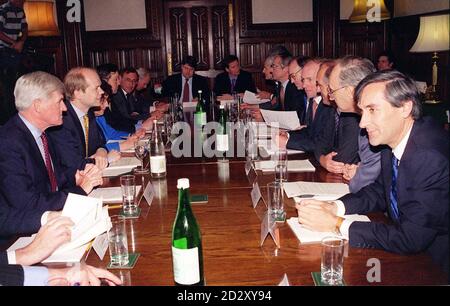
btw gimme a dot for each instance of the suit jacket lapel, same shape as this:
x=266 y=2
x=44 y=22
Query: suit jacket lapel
x=73 y=115
x=36 y=153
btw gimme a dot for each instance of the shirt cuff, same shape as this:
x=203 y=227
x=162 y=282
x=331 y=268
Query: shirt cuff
x=44 y=218
x=340 y=208
x=35 y=276
x=345 y=227
x=11 y=257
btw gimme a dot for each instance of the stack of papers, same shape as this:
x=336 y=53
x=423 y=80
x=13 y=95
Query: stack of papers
x=283 y=119
x=123 y=165
x=292 y=165
x=308 y=236
x=110 y=194
x=250 y=98
x=309 y=190
x=91 y=220
x=269 y=147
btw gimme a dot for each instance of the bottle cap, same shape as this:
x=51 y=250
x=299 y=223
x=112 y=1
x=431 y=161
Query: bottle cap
x=222 y=106
x=199 y=91
x=183 y=183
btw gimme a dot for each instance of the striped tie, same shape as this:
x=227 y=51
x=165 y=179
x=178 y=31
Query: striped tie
x=393 y=194
x=48 y=163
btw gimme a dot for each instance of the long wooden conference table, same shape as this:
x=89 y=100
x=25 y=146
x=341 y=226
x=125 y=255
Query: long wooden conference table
x=231 y=229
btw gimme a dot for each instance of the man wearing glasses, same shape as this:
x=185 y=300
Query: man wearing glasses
x=341 y=149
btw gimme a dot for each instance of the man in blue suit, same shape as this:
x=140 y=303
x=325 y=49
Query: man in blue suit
x=78 y=140
x=31 y=174
x=234 y=79
x=413 y=184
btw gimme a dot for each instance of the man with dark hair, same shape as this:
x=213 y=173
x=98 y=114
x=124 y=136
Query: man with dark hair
x=109 y=73
x=186 y=84
x=385 y=61
x=412 y=186
x=234 y=79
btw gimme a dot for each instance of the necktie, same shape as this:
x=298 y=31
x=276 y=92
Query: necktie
x=186 y=91
x=393 y=193
x=315 y=106
x=86 y=131
x=336 y=129
x=233 y=83
x=48 y=163
x=309 y=112
x=130 y=103
x=282 y=94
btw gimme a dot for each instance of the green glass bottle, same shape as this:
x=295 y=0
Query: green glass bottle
x=187 y=255
x=200 y=111
x=222 y=135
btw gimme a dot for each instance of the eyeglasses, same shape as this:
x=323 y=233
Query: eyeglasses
x=332 y=91
x=294 y=75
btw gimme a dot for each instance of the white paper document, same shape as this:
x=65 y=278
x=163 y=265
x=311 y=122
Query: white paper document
x=123 y=165
x=292 y=165
x=268 y=147
x=250 y=98
x=283 y=119
x=313 y=190
x=91 y=220
x=110 y=194
x=307 y=236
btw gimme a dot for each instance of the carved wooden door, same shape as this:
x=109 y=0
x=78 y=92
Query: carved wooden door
x=204 y=29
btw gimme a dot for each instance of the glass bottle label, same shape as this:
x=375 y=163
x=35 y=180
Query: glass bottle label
x=158 y=164
x=186 y=268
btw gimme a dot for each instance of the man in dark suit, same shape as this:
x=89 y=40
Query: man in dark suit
x=79 y=140
x=186 y=84
x=288 y=96
x=340 y=145
x=234 y=79
x=127 y=110
x=318 y=114
x=413 y=184
x=33 y=178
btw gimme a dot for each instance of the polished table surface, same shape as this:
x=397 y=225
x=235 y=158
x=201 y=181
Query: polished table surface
x=231 y=228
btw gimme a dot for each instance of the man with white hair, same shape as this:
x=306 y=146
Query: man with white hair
x=31 y=172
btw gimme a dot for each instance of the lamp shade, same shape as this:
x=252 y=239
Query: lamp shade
x=433 y=34
x=40 y=18
x=360 y=8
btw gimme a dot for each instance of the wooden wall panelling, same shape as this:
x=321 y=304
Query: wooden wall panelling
x=136 y=48
x=220 y=34
x=326 y=27
x=200 y=36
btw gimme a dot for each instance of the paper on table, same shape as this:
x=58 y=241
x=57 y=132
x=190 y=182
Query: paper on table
x=284 y=119
x=311 y=190
x=307 y=236
x=269 y=147
x=110 y=194
x=293 y=166
x=123 y=165
x=250 y=98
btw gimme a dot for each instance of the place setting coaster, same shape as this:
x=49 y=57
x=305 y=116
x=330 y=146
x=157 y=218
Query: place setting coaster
x=132 y=259
x=131 y=216
x=318 y=280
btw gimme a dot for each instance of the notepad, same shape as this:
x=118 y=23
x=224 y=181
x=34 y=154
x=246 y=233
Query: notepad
x=312 y=190
x=123 y=165
x=284 y=119
x=293 y=166
x=110 y=194
x=250 y=98
x=308 y=236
